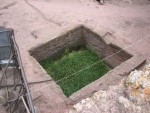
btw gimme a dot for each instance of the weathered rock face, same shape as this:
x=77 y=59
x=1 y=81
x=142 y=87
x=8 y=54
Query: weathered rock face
x=138 y=86
x=130 y=96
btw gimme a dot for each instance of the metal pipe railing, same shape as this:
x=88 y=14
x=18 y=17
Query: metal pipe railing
x=28 y=95
x=23 y=98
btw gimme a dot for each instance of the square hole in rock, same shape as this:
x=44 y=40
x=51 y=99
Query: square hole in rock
x=75 y=69
x=78 y=58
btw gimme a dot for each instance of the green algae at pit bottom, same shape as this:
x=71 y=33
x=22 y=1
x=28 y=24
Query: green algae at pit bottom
x=75 y=69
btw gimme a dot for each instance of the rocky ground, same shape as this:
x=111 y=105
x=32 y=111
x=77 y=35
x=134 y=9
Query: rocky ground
x=37 y=21
x=132 y=95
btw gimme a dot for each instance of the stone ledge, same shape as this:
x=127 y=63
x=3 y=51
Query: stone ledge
x=107 y=80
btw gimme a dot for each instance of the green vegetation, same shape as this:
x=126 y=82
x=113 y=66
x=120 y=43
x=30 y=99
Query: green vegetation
x=77 y=68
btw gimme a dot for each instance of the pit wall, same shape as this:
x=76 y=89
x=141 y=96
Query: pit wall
x=80 y=37
x=56 y=47
x=112 y=54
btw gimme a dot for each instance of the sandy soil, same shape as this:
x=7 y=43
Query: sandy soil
x=36 y=21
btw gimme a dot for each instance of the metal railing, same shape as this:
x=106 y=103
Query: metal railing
x=14 y=89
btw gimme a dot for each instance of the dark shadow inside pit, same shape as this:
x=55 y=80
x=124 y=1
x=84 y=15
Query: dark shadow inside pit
x=80 y=37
